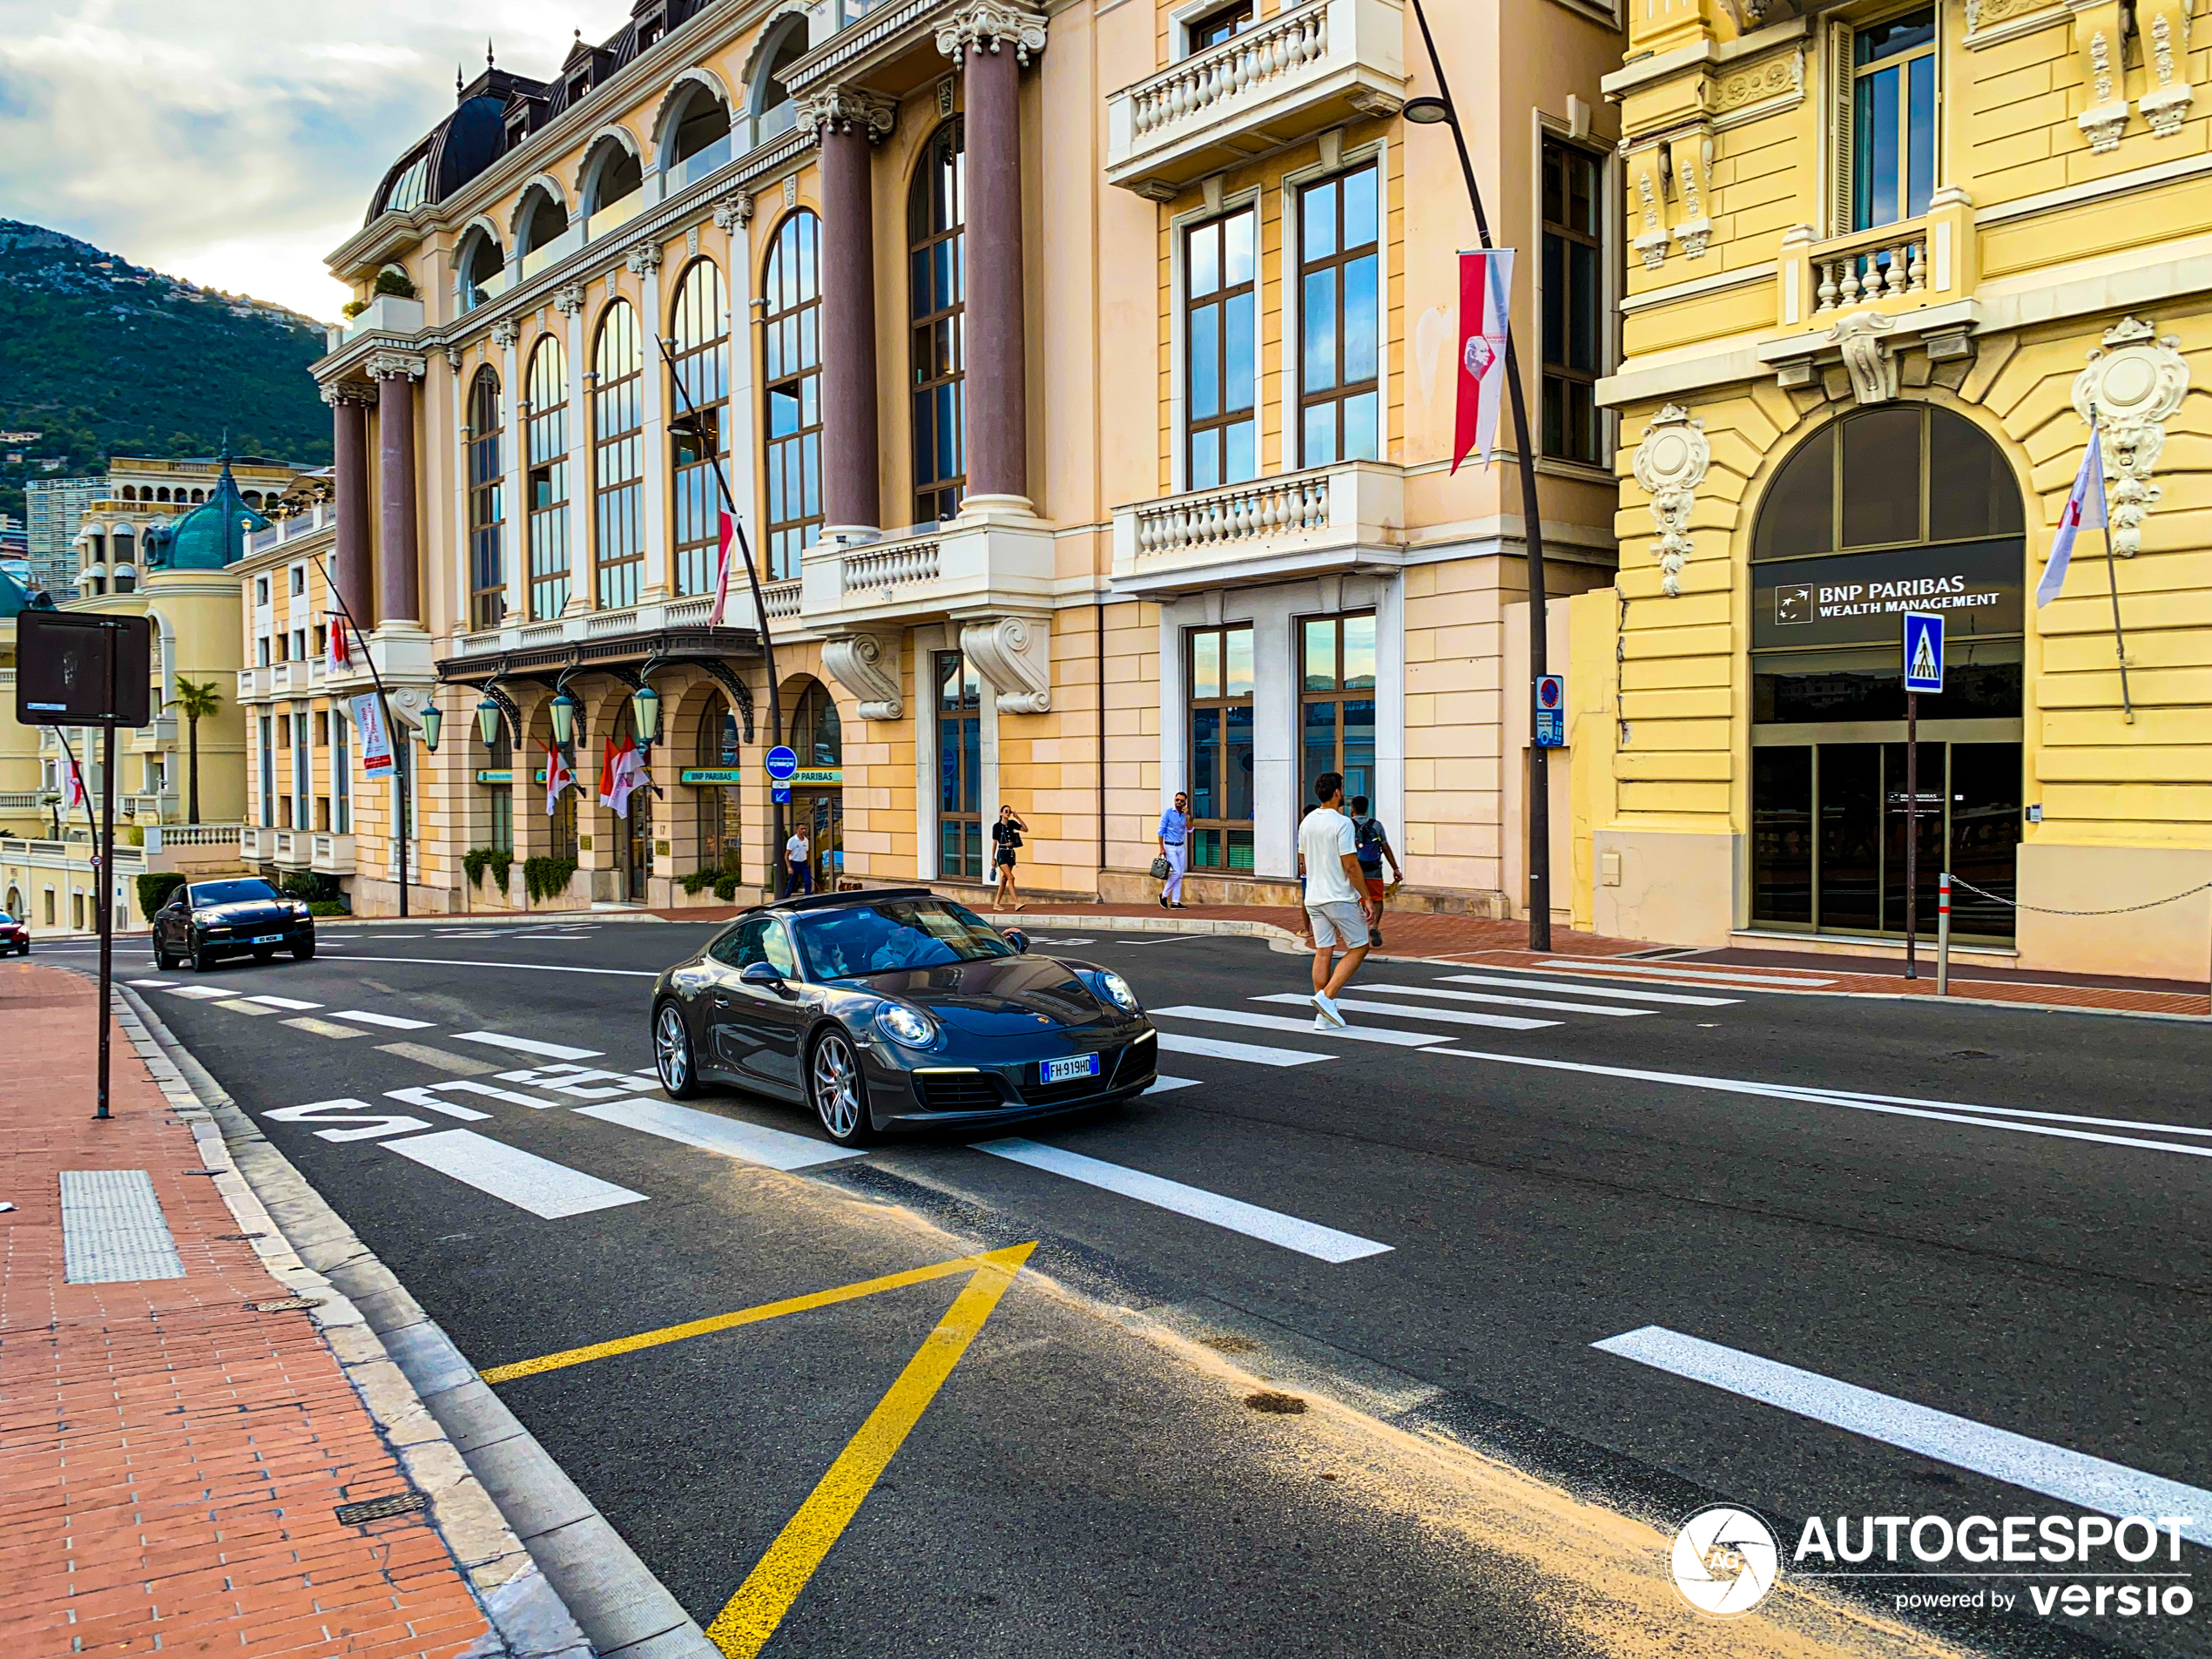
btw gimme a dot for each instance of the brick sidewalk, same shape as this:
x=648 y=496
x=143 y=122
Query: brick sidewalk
x=170 y=1459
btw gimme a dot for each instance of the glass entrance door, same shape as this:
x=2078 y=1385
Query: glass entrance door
x=635 y=843
x=824 y=822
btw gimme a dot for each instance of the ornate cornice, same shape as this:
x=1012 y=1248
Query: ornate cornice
x=505 y=333
x=642 y=259
x=849 y=109
x=734 y=212
x=387 y=364
x=989 y=24
x=568 y=299
x=337 y=392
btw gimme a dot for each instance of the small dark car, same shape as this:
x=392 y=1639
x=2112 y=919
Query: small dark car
x=14 y=936
x=897 y=1009
x=205 y=920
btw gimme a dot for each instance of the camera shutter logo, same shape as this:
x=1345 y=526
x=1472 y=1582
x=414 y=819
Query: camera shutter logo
x=1725 y=1561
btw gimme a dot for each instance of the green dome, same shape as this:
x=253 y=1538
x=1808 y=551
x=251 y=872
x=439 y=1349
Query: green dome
x=13 y=600
x=209 y=537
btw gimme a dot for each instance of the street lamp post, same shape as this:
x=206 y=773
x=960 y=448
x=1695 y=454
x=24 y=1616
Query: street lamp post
x=1441 y=111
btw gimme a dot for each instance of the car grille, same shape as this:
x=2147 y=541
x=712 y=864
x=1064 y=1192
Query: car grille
x=1117 y=1069
x=957 y=1091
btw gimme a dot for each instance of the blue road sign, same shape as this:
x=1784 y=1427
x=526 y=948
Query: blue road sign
x=1551 y=711
x=1923 y=651
x=782 y=761
x=779 y=794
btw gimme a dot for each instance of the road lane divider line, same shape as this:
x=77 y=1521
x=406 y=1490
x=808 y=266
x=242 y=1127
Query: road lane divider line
x=1164 y=1084
x=1604 y=965
x=240 y=1005
x=528 y=967
x=152 y=984
x=750 y=1617
x=466 y=1065
x=525 y=1045
x=1443 y=1017
x=1618 y=993
x=1976 y=1117
x=290 y=1004
x=200 y=991
x=1271 y=1226
x=1303 y=1028
x=523 y=1179
x=391 y=1022
x=314 y=1027
x=1605 y=1009
x=713 y=1323
x=1251 y=1053
x=2055 y=1471
x=731 y=1137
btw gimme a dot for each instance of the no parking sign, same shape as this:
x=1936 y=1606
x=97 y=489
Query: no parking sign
x=1551 y=710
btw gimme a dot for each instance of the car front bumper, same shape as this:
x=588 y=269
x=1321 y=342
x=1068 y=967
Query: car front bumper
x=918 y=1096
x=289 y=934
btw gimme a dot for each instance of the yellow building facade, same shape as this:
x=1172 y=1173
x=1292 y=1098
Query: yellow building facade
x=1886 y=266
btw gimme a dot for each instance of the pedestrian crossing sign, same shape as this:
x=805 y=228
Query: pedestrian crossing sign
x=1923 y=651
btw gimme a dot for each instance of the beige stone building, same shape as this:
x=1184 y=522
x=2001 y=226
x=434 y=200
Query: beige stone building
x=1082 y=378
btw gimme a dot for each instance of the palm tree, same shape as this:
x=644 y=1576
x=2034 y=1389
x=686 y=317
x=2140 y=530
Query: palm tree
x=196 y=700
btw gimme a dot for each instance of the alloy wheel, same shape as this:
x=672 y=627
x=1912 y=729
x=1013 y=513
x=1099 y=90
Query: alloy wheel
x=837 y=1089
x=672 y=1051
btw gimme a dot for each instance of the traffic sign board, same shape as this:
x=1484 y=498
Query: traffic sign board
x=1923 y=651
x=1551 y=711
x=781 y=762
x=779 y=794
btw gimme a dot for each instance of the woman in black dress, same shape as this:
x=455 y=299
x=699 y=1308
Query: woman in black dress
x=1005 y=835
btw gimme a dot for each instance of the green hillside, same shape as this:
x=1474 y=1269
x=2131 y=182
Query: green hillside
x=103 y=358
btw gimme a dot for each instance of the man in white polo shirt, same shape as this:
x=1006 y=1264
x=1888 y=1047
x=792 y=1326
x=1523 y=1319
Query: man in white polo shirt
x=1336 y=905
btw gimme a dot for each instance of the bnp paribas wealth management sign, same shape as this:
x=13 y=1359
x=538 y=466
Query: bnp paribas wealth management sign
x=1856 y=598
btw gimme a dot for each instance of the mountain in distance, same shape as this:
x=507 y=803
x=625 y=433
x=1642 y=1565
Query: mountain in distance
x=102 y=357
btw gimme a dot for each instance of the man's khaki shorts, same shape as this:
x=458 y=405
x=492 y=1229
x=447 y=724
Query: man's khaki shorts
x=1342 y=923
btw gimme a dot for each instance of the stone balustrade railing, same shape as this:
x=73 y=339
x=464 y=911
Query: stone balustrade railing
x=1247 y=513
x=1897 y=264
x=1275 y=50
x=873 y=570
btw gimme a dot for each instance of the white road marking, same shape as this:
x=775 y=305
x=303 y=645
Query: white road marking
x=1164 y=1084
x=290 y=1002
x=152 y=984
x=2055 y=1471
x=426 y=1099
x=114 y=1232
x=1172 y=938
x=581 y=1083
x=343 y=1111
x=533 y=967
x=1607 y=965
x=466 y=1065
x=522 y=1179
x=240 y=1005
x=1976 y=1117
x=314 y=1027
x=197 y=990
x=527 y=1045
x=1443 y=1017
x=1307 y=1238
x=1304 y=1028
x=1251 y=1053
x=1618 y=993
x=391 y=1020
x=749 y=1142
x=1607 y=1009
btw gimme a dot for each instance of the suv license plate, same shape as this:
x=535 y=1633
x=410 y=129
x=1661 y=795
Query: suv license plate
x=268 y=938
x=1082 y=1065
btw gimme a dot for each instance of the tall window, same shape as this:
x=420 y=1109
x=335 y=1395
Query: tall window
x=960 y=768
x=268 y=772
x=560 y=831
x=1339 y=319
x=617 y=456
x=817 y=730
x=302 y=769
x=1894 y=115
x=1337 y=692
x=499 y=756
x=1218 y=26
x=700 y=340
x=1218 y=330
x=487 y=503
x=721 y=840
x=792 y=343
x=341 y=775
x=548 y=479
x=1221 y=749
x=1574 y=300
x=937 y=286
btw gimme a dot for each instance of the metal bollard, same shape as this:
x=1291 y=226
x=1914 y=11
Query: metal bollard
x=1943 y=934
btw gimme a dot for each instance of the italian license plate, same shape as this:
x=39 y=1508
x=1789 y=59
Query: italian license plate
x=268 y=938
x=1082 y=1065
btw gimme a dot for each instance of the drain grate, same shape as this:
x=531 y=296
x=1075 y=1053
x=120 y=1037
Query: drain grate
x=359 y=1514
x=287 y=1305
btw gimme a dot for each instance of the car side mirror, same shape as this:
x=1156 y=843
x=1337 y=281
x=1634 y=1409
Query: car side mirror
x=1019 y=940
x=759 y=973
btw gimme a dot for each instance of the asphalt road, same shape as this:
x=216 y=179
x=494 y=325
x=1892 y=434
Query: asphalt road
x=1820 y=1304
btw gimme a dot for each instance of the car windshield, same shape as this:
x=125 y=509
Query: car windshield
x=231 y=892
x=881 y=938
x=6 y=920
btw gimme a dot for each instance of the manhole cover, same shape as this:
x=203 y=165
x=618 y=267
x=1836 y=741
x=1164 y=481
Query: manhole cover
x=356 y=1515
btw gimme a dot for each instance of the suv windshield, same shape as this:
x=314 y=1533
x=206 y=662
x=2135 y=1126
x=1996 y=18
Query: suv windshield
x=231 y=892
x=896 y=933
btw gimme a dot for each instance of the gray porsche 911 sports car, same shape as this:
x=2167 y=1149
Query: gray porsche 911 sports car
x=897 y=1008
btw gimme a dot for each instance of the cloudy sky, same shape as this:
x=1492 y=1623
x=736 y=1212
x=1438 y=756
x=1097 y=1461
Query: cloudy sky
x=235 y=142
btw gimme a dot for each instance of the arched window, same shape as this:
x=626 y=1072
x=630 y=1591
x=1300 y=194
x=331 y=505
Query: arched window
x=197 y=496
x=163 y=495
x=612 y=177
x=699 y=339
x=770 y=104
x=721 y=840
x=791 y=393
x=696 y=139
x=617 y=456
x=936 y=275
x=499 y=757
x=477 y=267
x=545 y=220
x=1906 y=473
x=487 y=503
x=547 y=482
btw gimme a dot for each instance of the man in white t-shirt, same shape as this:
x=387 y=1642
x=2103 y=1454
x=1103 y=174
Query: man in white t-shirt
x=1336 y=903
x=798 y=859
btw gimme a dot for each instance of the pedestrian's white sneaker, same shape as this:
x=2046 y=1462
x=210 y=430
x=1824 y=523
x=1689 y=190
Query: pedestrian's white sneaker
x=1321 y=1024
x=1327 y=1005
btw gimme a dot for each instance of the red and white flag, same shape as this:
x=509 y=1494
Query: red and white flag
x=722 y=572
x=1485 y=292
x=340 y=655
x=621 y=775
x=557 y=778
x=2085 y=505
x=72 y=784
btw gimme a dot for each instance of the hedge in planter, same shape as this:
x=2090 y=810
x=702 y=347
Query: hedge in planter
x=545 y=879
x=477 y=859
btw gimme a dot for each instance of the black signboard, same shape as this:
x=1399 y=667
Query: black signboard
x=75 y=668
x=1859 y=599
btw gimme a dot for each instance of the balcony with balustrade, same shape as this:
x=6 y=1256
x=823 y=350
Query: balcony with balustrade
x=1305 y=69
x=965 y=567
x=1863 y=295
x=1325 y=521
x=669 y=629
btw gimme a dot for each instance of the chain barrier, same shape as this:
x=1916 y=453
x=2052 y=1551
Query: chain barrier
x=2043 y=910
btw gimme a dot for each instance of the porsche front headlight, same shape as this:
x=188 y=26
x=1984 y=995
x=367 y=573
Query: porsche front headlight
x=903 y=1024
x=1114 y=988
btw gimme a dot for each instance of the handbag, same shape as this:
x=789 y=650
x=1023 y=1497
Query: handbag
x=1161 y=868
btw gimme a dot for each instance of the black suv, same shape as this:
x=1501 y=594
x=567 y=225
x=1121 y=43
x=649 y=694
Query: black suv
x=204 y=920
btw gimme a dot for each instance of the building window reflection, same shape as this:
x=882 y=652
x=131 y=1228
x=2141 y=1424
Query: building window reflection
x=792 y=429
x=487 y=503
x=937 y=287
x=960 y=768
x=1218 y=330
x=1340 y=318
x=1221 y=748
x=1337 y=702
x=547 y=479
x=618 y=450
x=699 y=341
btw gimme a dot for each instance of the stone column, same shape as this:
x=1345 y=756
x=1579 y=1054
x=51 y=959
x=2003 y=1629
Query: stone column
x=570 y=302
x=514 y=533
x=349 y=457
x=733 y=216
x=993 y=42
x=644 y=264
x=851 y=122
x=399 y=534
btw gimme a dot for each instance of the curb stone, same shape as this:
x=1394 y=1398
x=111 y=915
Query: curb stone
x=554 y=1577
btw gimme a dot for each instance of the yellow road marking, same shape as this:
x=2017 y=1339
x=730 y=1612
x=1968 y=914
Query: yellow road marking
x=751 y=1616
x=743 y=1316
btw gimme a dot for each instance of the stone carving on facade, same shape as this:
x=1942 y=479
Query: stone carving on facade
x=642 y=259
x=505 y=333
x=2167 y=105
x=1869 y=358
x=848 y=109
x=396 y=365
x=691 y=241
x=1651 y=242
x=1780 y=77
x=1982 y=14
x=568 y=299
x=1696 y=174
x=732 y=213
x=2133 y=386
x=868 y=666
x=337 y=392
x=2106 y=118
x=1013 y=653
x=989 y=24
x=1671 y=463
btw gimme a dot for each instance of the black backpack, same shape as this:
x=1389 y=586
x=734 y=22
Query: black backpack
x=1367 y=838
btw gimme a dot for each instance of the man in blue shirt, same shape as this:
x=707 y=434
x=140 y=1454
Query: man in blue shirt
x=1175 y=848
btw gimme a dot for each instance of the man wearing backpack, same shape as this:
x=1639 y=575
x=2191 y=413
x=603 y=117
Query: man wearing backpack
x=1371 y=845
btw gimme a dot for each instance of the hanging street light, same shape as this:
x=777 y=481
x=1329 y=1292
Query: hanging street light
x=432 y=720
x=563 y=711
x=488 y=721
x=644 y=704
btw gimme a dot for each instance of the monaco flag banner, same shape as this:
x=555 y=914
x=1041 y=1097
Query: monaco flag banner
x=376 y=739
x=340 y=653
x=621 y=776
x=722 y=573
x=2085 y=505
x=1485 y=291
x=558 y=778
